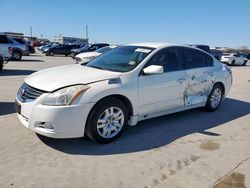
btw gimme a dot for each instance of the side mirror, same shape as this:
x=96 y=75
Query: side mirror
x=153 y=69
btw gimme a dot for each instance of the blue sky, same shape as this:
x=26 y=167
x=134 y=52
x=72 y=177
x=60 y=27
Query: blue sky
x=213 y=22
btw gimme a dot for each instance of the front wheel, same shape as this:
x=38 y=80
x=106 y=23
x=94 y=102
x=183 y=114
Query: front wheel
x=214 y=98
x=16 y=55
x=107 y=121
x=51 y=53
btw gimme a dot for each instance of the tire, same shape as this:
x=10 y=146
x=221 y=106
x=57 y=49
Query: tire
x=233 y=63
x=245 y=63
x=107 y=131
x=214 y=100
x=66 y=55
x=16 y=55
x=51 y=53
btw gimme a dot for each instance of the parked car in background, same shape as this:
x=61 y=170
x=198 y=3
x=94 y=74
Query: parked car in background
x=233 y=59
x=216 y=53
x=248 y=56
x=31 y=47
x=1 y=62
x=43 y=47
x=5 y=49
x=245 y=55
x=86 y=57
x=205 y=48
x=126 y=85
x=19 y=48
x=61 y=49
x=90 y=48
x=4 y=56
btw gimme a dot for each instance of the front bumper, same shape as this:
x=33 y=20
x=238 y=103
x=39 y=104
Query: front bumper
x=67 y=121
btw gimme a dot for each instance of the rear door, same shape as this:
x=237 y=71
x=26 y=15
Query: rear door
x=200 y=75
x=60 y=49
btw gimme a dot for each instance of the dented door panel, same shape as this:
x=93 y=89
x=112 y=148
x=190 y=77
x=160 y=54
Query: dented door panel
x=200 y=82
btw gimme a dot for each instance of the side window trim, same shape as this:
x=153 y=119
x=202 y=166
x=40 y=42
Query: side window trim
x=183 y=59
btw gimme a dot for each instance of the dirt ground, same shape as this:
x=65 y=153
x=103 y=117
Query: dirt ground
x=191 y=149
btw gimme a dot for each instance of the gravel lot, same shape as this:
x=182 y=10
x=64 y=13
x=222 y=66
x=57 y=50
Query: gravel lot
x=193 y=149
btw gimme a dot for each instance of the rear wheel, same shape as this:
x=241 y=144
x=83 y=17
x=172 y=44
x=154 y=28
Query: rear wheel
x=214 y=98
x=16 y=55
x=245 y=63
x=107 y=121
x=233 y=62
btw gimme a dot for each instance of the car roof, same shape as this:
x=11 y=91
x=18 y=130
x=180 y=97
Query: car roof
x=159 y=45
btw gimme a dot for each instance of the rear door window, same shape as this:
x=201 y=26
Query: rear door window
x=192 y=59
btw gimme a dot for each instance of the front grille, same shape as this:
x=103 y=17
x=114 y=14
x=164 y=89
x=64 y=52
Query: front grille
x=27 y=92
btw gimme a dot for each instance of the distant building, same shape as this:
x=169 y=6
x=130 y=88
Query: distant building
x=65 y=40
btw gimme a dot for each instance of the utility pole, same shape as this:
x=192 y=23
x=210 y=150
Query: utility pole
x=31 y=31
x=87 y=32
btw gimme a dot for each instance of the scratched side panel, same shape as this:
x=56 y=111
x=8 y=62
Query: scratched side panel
x=200 y=83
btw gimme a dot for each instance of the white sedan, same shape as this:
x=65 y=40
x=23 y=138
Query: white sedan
x=126 y=85
x=233 y=59
x=84 y=58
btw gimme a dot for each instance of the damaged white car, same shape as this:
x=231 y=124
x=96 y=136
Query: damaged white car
x=128 y=84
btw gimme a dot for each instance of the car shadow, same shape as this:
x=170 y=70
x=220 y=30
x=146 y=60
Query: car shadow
x=7 y=108
x=31 y=60
x=15 y=72
x=157 y=132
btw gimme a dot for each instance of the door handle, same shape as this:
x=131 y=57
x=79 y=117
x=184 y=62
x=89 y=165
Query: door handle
x=181 y=80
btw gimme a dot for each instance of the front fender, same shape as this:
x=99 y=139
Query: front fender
x=102 y=89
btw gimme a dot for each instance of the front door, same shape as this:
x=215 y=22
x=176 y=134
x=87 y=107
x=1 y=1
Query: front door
x=161 y=92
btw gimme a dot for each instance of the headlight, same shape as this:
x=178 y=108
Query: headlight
x=65 y=96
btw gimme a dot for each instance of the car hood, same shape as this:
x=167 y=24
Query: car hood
x=54 y=78
x=88 y=54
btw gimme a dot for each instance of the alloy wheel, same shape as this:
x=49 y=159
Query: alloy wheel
x=110 y=122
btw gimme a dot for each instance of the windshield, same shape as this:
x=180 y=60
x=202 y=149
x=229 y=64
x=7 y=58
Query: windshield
x=104 y=49
x=121 y=59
